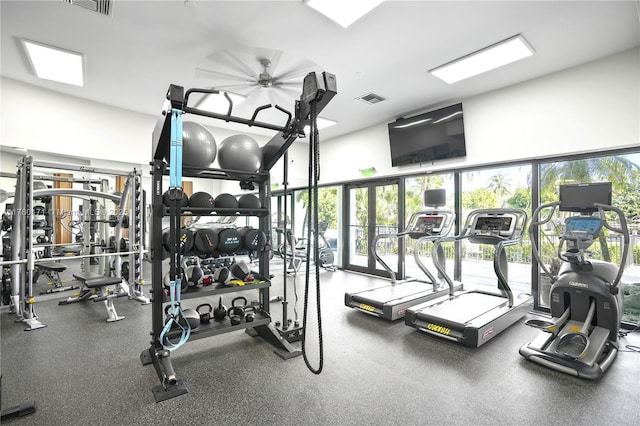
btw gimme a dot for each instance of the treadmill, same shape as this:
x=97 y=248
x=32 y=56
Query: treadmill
x=473 y=317
x=390 y=302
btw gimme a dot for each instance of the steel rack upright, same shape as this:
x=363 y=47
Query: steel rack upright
x=318 y=89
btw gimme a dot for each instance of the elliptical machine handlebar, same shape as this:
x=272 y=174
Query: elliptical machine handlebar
x=624 y=231
x=533 y=226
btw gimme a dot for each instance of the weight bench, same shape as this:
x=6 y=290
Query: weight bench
x=95 y=287
x=52 y=271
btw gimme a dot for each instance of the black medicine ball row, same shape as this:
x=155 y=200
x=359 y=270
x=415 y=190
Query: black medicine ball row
x=205 y=203
x=210 y=241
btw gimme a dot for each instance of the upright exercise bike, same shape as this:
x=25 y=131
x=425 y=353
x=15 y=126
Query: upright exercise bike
x=581 y=339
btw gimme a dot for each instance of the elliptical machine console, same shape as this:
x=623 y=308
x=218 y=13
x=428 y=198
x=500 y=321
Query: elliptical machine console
x=581 y=338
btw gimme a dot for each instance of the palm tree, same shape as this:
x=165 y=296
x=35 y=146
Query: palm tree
x=615 y=169
x=500 y=183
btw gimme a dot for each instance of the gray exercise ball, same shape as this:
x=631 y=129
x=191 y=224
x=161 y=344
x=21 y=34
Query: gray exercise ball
x=240 y=152
x=199 y=147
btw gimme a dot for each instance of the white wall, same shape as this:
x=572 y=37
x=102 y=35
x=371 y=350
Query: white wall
x=42 y=120
x=584 y=109
x=589 y=108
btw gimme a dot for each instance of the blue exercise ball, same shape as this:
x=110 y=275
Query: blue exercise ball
x=199 y=148
x=240 y=152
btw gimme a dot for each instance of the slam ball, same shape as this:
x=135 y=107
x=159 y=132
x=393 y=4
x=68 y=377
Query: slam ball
x=240 y=152
x=249 y=201
x=202 y=200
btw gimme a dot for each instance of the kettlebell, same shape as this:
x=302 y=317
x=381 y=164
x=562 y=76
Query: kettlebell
x=220 y=312
x=236 y=312
x=205 y=317
x=249 y=313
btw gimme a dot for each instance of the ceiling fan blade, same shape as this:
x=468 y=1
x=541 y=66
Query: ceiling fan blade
x=300 y=70
x=233 y=61
x=289 y=91
x=211 y=74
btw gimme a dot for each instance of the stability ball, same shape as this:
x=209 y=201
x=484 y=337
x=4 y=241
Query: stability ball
x=198 y=146
x=240 y=152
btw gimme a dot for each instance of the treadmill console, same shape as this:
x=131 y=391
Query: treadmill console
x=500 y=226
x=427 y=224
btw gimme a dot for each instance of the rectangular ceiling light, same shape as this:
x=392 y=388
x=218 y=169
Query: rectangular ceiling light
x=52 y=63
x=218 y=103
x=344 y=12
x=497 y=55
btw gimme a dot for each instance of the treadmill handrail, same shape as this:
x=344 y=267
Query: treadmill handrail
x=500 y=243
x=374 y=252
x=421 y=265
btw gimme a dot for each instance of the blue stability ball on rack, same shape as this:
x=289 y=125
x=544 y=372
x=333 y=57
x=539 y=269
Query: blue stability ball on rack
x=199 y=147
x=240 y=152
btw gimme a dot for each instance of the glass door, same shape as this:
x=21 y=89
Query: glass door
x=373 y=209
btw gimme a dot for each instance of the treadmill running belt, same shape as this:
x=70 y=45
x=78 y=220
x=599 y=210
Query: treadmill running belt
x=464 y=307
x=382 y=295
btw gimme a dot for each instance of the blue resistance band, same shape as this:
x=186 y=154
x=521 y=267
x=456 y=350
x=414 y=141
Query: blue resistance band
x=175 y=285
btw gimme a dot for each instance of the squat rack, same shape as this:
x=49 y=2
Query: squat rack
x=22 y=256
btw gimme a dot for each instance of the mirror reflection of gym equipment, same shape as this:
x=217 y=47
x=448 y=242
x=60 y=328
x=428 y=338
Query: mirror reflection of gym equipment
x=391 y=302
x=472 y=317
x=581 y=337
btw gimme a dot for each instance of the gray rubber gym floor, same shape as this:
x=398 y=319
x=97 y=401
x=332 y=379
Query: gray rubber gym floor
x=81 y=370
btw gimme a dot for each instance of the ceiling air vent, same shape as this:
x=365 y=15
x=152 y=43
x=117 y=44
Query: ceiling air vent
x=371 y=98
x=102 y=7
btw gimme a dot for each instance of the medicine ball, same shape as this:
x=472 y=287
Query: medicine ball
x=198 y=146
x=240 y=152
x=240 y=270
x=166 y=281
x=226 y=201
x=184 y=200
x=192 y=316
x=222 y=275
x=194 y=275
x=205 y=241
x=249 y=201
x=252 y=239
x=185 y=243
x=229 y=240
x=202 y=201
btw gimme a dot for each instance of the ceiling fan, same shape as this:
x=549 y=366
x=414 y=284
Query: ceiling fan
x=263 y=76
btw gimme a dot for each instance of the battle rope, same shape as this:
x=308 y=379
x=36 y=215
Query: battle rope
x=312 y=222
x=175 y=313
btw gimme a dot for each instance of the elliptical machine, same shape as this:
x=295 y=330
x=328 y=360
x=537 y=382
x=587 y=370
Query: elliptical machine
x=581 y=339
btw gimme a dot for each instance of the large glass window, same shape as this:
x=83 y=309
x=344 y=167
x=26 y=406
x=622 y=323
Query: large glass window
x=503 y=187
x=623 y=171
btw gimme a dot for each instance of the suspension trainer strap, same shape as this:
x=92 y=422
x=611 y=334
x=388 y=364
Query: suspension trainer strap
x=312 y=222
x=175 y=313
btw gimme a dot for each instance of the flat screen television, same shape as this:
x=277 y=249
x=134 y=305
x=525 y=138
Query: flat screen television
x=581 y=196
x=434 y=135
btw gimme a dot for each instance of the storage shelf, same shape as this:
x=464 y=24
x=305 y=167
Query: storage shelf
x=204 y=211
x=215 y=327
x=193 y=292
